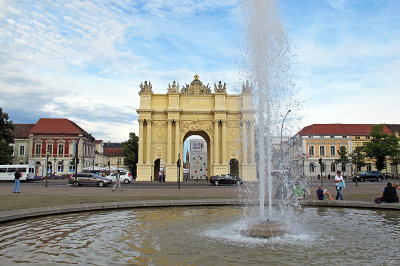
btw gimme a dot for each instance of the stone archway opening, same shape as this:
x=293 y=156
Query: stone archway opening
x=234 y=167
x=196 y=155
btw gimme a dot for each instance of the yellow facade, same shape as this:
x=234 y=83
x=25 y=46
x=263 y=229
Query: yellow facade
x=226 y=122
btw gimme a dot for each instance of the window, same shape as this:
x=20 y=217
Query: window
x=332 y=137
x=358 y=168
x=60 y=167
x=333 y=150
x=60 y=148
x=312 y=167
x=49 y=148
x=22 y=150
x=321 y=150
x=71 y=167
x=368 y=167
x=333 y=167
x=344 y=137
x=357 y=137
x=38 y=148
x=368 y=137
x=311 y=150
x=343 y=168
x=310 y=137
x=12 y=147
x=49 y=167
x=119 y=161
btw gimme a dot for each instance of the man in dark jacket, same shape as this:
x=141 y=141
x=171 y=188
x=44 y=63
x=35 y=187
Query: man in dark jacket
x=390 y=194
x=17 y=180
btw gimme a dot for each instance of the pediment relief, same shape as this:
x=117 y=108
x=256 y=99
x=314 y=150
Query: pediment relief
x=197 y=125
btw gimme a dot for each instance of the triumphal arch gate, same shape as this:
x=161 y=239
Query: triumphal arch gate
x=226 y=122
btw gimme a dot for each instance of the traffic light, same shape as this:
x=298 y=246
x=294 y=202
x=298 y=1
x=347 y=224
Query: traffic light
x=320 y=160
x=108 y=163
x=178 y=163
x=77 y=160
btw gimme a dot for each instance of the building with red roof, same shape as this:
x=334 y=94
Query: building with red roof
x=323 y=141
x=49 y=145
x=21 y=143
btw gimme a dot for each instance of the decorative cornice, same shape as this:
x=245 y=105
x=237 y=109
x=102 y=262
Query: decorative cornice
x=145 y=110
x=173 y=110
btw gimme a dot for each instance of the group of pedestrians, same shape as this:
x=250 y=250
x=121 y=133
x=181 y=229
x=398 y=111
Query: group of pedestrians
x=340 y=185
x=389 y=193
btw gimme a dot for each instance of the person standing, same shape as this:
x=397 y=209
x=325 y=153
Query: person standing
x=117 y=182
x=17 y=176
x=160 y=176
x=339 y=184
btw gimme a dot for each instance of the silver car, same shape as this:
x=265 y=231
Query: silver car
x=88 y=179
x=124 y=176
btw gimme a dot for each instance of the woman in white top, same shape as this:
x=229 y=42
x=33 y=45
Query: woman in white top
x=339 y=185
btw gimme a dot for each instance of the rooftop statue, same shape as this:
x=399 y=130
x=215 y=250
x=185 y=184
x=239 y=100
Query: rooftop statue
x=146 y=87
x=220 y=88
x=174 y=88
x=247 y=87
x=196 y=87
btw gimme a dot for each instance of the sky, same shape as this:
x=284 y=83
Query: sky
x=84 y=60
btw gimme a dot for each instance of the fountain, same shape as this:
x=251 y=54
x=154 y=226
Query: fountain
x=268 y=59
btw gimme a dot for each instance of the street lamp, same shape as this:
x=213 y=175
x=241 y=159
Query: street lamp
x=47 y=166
x=281 y=136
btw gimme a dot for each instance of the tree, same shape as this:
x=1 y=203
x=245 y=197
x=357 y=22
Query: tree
x=381 y=146
x=6 y=138
x=131 y=152
x=358 y=157
x=395 y=158
x=344 y=158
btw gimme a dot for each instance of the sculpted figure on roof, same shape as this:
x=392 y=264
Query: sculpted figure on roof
x=174 y=88
x=220 y=88
x=147 y=87
x=196 y=87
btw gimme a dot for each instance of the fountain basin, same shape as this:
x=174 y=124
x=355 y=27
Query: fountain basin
x=265 y=229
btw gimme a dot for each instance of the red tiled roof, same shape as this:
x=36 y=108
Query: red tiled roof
x=363 y=129
x=324 y=129
x=57 y=126
x=340 y=130
x=21 y=131
x=114 y=152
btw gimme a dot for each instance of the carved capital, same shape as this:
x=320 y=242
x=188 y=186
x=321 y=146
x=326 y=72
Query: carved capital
x=216 y=122
x=141 y=120
x=224 y=122
x=169 y=121
x=149 y=121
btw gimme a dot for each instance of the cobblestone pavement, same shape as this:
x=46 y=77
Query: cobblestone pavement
x=60 y=193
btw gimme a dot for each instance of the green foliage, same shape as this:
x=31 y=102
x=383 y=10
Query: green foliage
x=381 y=146
x=344 y=158
x=358 y=157
x=131 y=149
x=6 y=138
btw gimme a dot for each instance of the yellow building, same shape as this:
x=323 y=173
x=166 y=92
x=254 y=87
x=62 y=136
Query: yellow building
x=324 y=141
x=167 y=120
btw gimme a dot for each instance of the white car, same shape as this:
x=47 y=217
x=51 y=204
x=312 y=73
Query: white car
x=124 y=177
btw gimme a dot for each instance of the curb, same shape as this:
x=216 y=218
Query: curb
x=55 y=210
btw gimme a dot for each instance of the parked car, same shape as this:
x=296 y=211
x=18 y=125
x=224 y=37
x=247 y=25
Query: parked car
x=124 y=176
x=225 y=179
x=369 y=175
x=89 y=179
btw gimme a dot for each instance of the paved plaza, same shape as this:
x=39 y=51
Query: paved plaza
x=58 y=192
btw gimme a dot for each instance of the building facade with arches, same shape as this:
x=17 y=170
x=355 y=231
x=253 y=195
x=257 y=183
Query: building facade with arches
x=226 y=122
